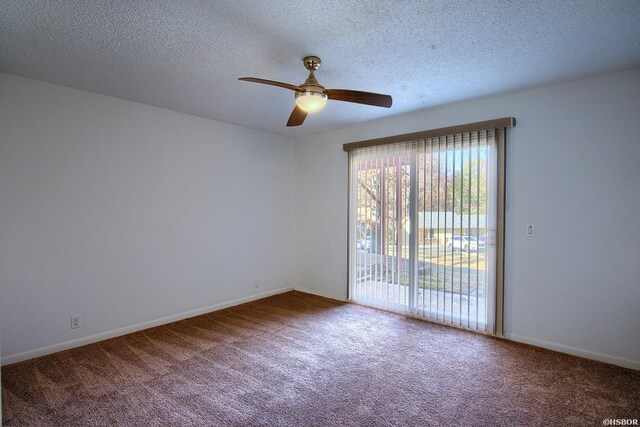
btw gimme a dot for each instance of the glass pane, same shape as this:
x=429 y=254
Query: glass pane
x=452 y=232
x=381 y=231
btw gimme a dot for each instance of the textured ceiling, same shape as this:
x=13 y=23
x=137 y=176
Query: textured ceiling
x=186 y=55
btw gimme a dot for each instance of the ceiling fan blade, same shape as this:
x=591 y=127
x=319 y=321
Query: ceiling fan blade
x=368 y=98
x=297 y=117
x=272 y=83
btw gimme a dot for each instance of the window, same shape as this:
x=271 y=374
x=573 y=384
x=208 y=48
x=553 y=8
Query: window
x=426 y=225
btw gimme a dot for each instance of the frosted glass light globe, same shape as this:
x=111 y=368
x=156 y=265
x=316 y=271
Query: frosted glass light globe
x=311 y=102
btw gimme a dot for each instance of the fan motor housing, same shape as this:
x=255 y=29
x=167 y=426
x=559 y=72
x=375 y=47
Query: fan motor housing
x=312 y=63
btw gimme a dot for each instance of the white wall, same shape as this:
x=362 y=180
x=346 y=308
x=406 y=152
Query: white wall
x=132 y=215
x=573 y=170
x=125 y=214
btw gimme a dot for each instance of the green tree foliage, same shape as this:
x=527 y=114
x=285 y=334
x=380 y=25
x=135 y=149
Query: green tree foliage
x=469 y=198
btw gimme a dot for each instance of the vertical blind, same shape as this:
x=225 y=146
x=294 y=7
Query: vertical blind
x=422 y=228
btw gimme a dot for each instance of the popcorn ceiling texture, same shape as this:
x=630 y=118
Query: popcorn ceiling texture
x=187 y=55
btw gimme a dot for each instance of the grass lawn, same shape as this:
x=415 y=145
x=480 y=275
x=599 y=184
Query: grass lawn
x=474 y=260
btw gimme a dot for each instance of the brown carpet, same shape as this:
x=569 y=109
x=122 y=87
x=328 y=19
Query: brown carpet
x=300 y=360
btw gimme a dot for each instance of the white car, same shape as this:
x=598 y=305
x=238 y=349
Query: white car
x=465 y=243
x=364 y=244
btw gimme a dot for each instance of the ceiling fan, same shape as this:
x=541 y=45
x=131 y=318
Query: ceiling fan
x=311 y=96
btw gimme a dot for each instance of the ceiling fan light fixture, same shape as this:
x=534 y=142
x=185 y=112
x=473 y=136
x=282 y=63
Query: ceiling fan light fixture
x=311 y=102
x=311 y=96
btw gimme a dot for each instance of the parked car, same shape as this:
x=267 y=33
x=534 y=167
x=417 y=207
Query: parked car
x=465 y=243
x=364 y=244
x=369 y=244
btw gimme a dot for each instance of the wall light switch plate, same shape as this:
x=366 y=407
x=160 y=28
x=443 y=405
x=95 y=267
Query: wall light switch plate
x=530 y=230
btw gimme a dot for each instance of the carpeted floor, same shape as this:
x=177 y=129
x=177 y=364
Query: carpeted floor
x=300 y=360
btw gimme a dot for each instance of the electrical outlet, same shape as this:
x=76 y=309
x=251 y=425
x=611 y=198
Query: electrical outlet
x=256 y=284
x=530 y=231
x=75 y=321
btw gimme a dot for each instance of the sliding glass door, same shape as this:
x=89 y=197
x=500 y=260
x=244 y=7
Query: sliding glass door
x=422 y=228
